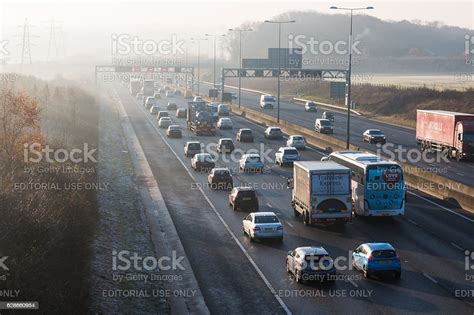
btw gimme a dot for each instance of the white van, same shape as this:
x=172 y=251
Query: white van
x=267 y=101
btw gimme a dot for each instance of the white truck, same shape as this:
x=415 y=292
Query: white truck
x=322 y=192
x=148 y=87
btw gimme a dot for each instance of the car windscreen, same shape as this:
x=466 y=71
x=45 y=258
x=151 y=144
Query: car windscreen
x=253 y=159
x=375 y=132
x=247 y=194
x=324 y=123
x=386 y=253
x=246 y=132
x=316 y=262
x=298 y=138
x=221 y=173
x=194 y=146
x=275 y=130
x=227 y=142
x=266 y=219
x=268 y=98
x=291 y=152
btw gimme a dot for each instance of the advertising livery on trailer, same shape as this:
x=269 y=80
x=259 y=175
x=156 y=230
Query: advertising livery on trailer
x=450 y=133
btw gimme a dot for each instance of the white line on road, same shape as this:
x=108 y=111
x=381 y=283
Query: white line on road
x=429 y=277
x=269 y=205
x=290 y=224
x=442 y=207
x=413 y=222
x=460 y=174
x=457 y=246
x=239 y=244
x=353 y=283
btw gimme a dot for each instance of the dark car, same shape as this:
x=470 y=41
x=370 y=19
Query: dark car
x=329 y=116
x=171 y=106
x=174 y=131
x=244 y=135
x=202 y=162
x=181 y=113
x=225 y=145
x=273 y=133
x=220 y=178
x=243 y=198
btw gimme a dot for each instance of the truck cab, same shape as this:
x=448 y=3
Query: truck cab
x=464 y=140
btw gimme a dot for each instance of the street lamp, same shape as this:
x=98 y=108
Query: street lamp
x=240 y=55
x=198 y=40
x=215 y=49
x=348 y=76
x=279 y=61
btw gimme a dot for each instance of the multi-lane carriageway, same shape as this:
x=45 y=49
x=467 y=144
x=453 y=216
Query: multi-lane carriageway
x=402 y=141
x=236 y=276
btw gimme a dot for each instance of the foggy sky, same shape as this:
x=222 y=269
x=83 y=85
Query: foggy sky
x=85 y=27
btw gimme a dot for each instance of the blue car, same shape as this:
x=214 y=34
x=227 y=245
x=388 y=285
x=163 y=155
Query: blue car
x=376 y=259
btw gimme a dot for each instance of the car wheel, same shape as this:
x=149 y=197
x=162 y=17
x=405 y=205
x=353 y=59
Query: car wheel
x=252 y=239
x=306 y=218
x=234 y=207
x=287 y=267
x=398 y=274
x=298 y=277
x=280 y=239
x=366 y=273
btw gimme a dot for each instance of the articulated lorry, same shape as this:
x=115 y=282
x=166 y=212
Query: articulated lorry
x=200 y=120
x=322 y=192
x=450 y=133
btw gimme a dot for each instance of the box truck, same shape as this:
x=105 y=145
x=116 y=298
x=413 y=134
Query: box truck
x=322 y=192
x=450 y=133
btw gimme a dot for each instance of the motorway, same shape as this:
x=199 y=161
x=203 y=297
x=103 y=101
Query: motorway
x=235 y=274
x=396 y=136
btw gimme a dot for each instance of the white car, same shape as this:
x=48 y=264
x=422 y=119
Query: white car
x=164 y=122
x=267 y=101
x=310 y=106
x=287 y=155
x=273 y=133
x=150 y=101
x=251 y=162
x=224 y=123
x=197 y=99
x=296 y=141
x=223 y=110
x=154 y=110
x=169 y=93
x=262 y=225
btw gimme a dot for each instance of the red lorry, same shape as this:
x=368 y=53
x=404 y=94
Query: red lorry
x=447 y=132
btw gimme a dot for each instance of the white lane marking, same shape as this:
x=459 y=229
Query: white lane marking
x=429 y=277
x=353 y=283
x=269 y=205
x=442 y=207
x=457 y=246
x=413 y=222
x=470 y=166
x=252 y=262
x=291 y=225
x=460 y=174
x=282 y=176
